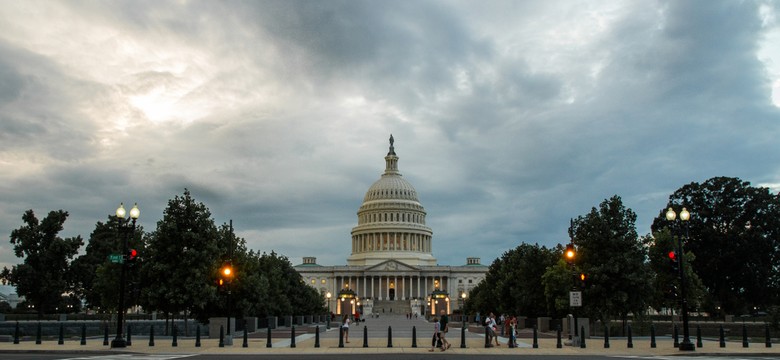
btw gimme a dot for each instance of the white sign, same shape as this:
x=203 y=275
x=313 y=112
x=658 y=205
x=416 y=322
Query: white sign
x=575 y=298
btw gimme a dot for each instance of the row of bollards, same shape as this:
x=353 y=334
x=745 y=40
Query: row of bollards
x=174 y=343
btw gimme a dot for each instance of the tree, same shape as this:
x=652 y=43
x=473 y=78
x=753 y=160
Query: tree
x=182 y=258
x=557 y=281
x=43 y=276
x=613 y=259
x=515 y=279
x=734 y=231
x=286 y=293
x=666 y=279
x=95 y=279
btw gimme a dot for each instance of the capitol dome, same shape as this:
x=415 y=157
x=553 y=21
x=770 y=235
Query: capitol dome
x=391 y=222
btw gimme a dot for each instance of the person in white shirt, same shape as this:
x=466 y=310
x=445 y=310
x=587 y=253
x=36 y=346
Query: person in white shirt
x=345 y=327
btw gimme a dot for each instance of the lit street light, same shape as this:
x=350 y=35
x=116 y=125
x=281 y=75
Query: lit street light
x=328 y=296
x=686 y=344
x=119 y=341
x=463 y=296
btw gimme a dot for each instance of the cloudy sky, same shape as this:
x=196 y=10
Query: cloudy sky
x=510 y=118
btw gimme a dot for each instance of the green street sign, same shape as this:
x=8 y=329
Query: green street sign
x=116 y=258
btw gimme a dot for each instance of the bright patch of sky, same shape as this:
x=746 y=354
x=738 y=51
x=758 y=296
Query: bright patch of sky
x=510 y=117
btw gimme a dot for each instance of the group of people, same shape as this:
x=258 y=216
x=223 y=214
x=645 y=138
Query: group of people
x=491 y=327
x=440 y=328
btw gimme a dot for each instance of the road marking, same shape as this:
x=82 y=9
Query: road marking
x=133 y=357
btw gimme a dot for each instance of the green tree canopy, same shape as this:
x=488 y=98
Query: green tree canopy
x=734 y=231
x=182 y=258
x=614 y=260
x=43 y=276
x=95 y=279
x=666 y=280
x=514 y=283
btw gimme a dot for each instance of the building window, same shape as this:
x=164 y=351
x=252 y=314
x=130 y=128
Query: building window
x=323 y=281
x=469 y=281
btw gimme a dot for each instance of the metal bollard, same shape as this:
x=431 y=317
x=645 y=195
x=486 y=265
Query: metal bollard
x=105 y=336
x=38 y=334
x=61 y=338
x=463 y=337
x=558 y=343
x=744 y=336
x=487 y=336
x=129 y=335
x=652 y=336
x=414 y=336
x=582 y=337
x=389 y=336
x=317 y=337
x=197 y=336
x=722 y=337
x=698 y=336
x=175 y=341
x=606 y=336
x=221 y=336
x=83 y=334
x=151 y=335
x=16 y=333
x=536 y=339
x=767 y=337
x=292 y=336
x=676 y=339
x=268 y=337
x=246 y=336
x=341 y=337
x=365 y=337
x=630 y=343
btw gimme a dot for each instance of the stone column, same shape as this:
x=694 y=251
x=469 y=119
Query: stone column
x=403 y=287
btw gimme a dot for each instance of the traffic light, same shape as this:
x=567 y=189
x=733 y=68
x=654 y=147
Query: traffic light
x=674 y=261
x=132 y=255
x=569 y=253
x=582 y=280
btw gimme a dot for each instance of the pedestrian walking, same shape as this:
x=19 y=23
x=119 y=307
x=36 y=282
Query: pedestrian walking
x=444 y=325
x=345 y=327
x=436 y=340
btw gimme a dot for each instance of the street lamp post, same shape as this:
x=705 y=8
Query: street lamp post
x=119 y=341
x=570 y=254
x=686 y=344
x=463 y=308
x=328 y=296
x=227 y=275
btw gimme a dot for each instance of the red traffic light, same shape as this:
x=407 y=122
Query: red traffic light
x=672 y=256
x=132 y=254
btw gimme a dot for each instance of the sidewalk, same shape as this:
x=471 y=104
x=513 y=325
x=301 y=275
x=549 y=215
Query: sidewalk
x=377 y=329
x=329 y=345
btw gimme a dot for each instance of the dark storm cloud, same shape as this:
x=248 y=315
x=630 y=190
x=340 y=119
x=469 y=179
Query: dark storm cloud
x=510 y=118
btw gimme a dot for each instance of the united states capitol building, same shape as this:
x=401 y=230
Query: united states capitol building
x=392 y=267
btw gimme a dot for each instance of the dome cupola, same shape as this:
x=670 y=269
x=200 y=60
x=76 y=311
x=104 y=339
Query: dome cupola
x=391 y=222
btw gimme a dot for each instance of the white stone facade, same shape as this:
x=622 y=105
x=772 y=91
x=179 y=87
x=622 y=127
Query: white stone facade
x=392 y=258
